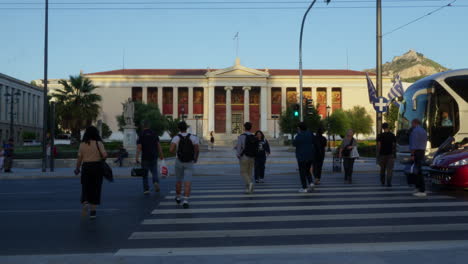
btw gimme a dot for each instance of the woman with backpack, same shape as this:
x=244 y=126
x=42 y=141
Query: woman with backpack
x=262 y=153
x=90 y=155
x=346 y=151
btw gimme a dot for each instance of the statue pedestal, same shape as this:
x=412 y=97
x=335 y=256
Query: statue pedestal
x=129 y=140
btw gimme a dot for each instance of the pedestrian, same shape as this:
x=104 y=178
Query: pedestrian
x=149 y=148
x=346 y=149
x=186 y=147
x=386 y=148
x=246 y=151
x=305 y=144
x=417 y=145
x=90 y=155
x=8 y=151
x=260 y=159
x=212 y=140
x=320 y=157
x=121 y=155
x=2 y=153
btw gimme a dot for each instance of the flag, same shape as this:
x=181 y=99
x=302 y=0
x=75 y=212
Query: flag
x=397 y=89
x=236 y=36
x=371 y=90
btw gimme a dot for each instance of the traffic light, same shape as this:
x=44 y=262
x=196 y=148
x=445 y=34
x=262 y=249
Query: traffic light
x=296 y=110
x=309 y=106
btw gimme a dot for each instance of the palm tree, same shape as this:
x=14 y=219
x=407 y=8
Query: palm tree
x=77 y=106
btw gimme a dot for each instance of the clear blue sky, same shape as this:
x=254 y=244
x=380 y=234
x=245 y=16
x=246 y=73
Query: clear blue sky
x=94 y=40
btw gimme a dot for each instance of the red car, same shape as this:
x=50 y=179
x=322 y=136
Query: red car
x=451 y=168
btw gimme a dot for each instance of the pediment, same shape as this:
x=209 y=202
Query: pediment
x=238 y=71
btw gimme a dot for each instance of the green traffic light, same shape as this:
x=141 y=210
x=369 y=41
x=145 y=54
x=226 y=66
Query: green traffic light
x=296 y=113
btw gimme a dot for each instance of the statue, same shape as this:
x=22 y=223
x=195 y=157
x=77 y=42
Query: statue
x=128 y=112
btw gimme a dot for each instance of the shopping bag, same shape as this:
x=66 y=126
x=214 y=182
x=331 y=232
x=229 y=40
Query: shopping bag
x=163 y=170
x=354 y=153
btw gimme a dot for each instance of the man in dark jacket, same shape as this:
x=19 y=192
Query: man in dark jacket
x=305 y=144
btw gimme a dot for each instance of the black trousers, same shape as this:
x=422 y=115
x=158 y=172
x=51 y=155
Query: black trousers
x=348 y=164
x=91 y=182
x=318 y=164
x=418 y=162
x=304 y=172
x=259 y=171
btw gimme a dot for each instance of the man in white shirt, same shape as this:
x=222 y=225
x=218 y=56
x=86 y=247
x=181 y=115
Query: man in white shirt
x=186 y=147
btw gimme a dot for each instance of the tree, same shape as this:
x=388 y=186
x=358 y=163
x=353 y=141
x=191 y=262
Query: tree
x=77 y=106
x=391 y=116
x=312 y=119
x=360 y=121
x=149 y=112
x=338 y=123
x=106 y=131
x=288 y=122
x=172 y=127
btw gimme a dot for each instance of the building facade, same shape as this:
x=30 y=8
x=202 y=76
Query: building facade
x=222 y=100
x=21 y=105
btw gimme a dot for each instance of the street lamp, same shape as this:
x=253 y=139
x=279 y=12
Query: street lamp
x=328 y=127
x=300 y=57
x=182 y=110
x=13 y=100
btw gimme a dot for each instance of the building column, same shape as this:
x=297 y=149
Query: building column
x=228 y=110
x=175 y=102
x=246 y=103
x=160 y=99
x=329 y=98
x=211 y=108
x=144 y=95
x=190 y=103
x=263 y=108
x=283 y=99
x=313 y=93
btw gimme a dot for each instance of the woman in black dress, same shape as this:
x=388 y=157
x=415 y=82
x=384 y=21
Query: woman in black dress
x=260 y=159
x=89 y=163
x=318 y=164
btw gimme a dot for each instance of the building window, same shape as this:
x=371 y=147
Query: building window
x=182 y=101
x=322 y=102
x=168 y=94
x=275 y=101
x=336 y=99
x=291 y=96
x=198 y=101
x=137 y=94
x=152 y=96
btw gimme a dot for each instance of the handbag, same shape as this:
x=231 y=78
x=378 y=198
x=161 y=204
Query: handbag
x=347 y=152
x=354 y=153
x=138 y=172
x=106 y=169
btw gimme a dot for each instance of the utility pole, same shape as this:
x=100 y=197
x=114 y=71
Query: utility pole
x=379 y=62
x=45 y=99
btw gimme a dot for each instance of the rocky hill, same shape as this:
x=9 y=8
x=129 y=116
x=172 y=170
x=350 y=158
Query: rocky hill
x=411 y=66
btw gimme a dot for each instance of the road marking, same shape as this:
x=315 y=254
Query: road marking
x=289 y=218
x=340 y=230
x=295 y=249
x=309 y=200
x=25 y=193
x=305 y=208
x=75 y=210
x=295 y=189
x=294 y=194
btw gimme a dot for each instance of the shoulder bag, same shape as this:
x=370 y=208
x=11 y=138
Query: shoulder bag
x=106 y=169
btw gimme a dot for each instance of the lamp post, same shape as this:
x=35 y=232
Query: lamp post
x=182 y=110
x=13 y=100
x=328 y=127
x=301 y=113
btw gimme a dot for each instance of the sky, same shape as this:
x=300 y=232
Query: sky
x=149 y=34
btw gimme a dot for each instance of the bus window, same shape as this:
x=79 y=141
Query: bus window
x=443 y=116
x=460 y=85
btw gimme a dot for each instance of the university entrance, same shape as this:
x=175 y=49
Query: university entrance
x=237 y=122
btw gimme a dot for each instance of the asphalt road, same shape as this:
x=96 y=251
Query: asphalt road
x=42 y=217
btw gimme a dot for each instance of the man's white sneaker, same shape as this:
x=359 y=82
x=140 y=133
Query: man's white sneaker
x=420 y=194
x=251 y=187
x=303 y=190
x=311 y=186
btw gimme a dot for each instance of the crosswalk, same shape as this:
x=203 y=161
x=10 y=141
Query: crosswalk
x=335 y=217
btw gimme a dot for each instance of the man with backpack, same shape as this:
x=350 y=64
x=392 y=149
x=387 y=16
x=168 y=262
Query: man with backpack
x=247 y=148
x=186 y=147
x=148 y=147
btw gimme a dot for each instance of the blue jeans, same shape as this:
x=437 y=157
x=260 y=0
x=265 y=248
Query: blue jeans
x=149 y=166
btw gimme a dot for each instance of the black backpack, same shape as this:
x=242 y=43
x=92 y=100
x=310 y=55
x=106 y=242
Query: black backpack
x=185 y=151
x=251 y=146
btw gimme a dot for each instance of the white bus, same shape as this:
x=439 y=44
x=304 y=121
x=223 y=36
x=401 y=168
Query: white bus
x=440 y=101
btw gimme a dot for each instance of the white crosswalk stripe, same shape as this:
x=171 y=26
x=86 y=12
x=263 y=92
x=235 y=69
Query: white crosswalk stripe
x=223 y=220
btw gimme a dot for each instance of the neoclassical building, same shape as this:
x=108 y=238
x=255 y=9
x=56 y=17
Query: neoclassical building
x=221 y=100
